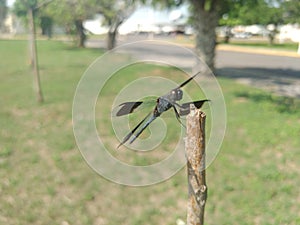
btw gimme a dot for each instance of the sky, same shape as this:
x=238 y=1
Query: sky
x=10 y=2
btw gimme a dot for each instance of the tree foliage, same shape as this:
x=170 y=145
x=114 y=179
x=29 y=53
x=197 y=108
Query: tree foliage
x=247 y=12
x=237 y=12
x=115 y=12
x=27 y=9
x=72 y=13
x=66 y=12
x=20 y=9
x=206 y=15
x=291 y=10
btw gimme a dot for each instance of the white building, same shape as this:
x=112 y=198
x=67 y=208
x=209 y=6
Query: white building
x=14 y=25
x=144 y=20
x=95 y=26
x=289 y=32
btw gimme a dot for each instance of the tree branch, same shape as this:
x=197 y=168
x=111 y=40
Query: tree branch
x=195 y=153
x=200 y=4
x=214 y=5
x=42 y=4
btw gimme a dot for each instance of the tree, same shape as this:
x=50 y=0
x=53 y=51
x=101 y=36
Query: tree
x=291 y=11
x=291 y=14
x=254 y=12
x=115 y=12
x=28 y=9
x=208 y=13
x=3 y=12
x=34 y=56
x=46 y=23
x=71 y=14
x=74 y=12
x=205 y=15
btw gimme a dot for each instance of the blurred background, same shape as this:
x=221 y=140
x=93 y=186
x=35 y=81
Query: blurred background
x=252 y=46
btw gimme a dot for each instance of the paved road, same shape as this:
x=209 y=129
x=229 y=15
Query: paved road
x=279 y=74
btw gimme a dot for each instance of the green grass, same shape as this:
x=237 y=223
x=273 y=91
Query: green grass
x=44 y=179
x=275 y=46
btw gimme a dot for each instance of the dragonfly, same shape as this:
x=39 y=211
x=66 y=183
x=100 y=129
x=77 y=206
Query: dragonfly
x=163 y=104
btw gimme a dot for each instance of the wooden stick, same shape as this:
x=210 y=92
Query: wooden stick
x=195 y=153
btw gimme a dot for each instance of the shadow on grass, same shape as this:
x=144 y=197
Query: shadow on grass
x=281 y=104
x=75 y=48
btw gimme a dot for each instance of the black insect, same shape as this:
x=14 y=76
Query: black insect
x=163 y=104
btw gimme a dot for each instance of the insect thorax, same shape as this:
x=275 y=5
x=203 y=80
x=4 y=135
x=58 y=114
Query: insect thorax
x=163 y=105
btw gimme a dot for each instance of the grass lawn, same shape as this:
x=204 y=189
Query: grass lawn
x=276 y=46
x=45 y=180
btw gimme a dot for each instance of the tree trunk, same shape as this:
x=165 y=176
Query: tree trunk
x=272 y=34
x=34 y=57
x=271 y=39
x=111 y=39
x=205 y=22
x=227 y=34
x=114 y=22
x=81 y=37
x=113 y=31
x=46 y=26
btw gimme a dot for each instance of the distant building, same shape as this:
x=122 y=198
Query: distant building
x=149 y=20
x=254 y=30
x=145 y=20
x=289 y=32
x=14 y=25
x=95 y=26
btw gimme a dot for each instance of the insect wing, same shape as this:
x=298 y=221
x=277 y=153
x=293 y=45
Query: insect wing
x=187 y=81
x=126 y=108
x=147 y=104
x=185 y=107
